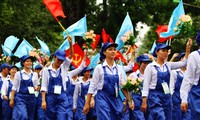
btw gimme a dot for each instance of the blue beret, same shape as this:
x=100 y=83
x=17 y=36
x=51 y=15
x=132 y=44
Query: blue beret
x=104 y=47
x=160 y=46
x=180 y=55
x=24 y=58
x=4 y=65
x=143 y=58
x=38 y=67
x=60 y=54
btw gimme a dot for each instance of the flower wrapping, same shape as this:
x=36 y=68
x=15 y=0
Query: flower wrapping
x=132 y=84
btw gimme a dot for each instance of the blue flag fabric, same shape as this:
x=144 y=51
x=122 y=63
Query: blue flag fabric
x=178 y=11
x=153 y=47
x=94 y=61
x=77 y=29
x=11 y=42
x=6 y=51
x=125 y=76
x=126 y=26
x=23 y=49
x=43 y=47
x=65 y=44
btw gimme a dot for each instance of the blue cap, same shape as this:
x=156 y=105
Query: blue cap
x=180 y=55
x=4 y=65
x=198 y=38
x=87 y=69
x=24 y=58
x=38 y=67
x=13 y=66
x=60 y=54
x=104 y=47
x=160 y=46
x=143 y=58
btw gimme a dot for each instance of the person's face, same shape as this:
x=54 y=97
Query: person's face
x=143 y=65
x=162 y=53
x=110 y=52
x=38 y=71
x=5 y=70
x=13 y=71
x=58 y=62
x=87 y=73
x=28 y=63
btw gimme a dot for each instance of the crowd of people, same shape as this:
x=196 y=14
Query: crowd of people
x=170 y=90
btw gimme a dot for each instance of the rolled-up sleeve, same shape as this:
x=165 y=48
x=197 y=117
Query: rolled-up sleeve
x=16 y=82
x=75 y=96
x=45 y=81
x=173 y=78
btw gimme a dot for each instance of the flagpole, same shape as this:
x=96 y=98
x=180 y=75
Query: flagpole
x=62 y=27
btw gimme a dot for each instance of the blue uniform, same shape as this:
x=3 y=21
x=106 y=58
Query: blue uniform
x=81 y=102
x=6 y=109
x=25 y=103
x=69 y=92
x=177 y=113
x=159 y=103
x=1 y=83
x=56 y=103
x=137 y=114
x=108 y=105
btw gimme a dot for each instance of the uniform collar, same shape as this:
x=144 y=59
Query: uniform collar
x=106 y=64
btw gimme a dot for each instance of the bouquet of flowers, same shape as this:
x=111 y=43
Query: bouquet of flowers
x=89 y=38
x=128 y=38
x=184 y=24
x=2 y=59
x=37 y=54
x=132 y=84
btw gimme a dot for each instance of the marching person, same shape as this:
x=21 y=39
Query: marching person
x=106 y=83
x=176 y=79
x=142 y=60
x=191 y=83
x=6 y=91
x=24 y=86
x=4 y=69
x=71 y=83
x=53 y=88
x=156 y=83
x=80 y=94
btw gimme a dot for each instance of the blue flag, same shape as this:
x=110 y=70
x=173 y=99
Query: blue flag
x=153 y=47
x=126 y=26
x=178 y=11
x=65 y=44
x=6 y=51
x=94 y=61
x=43 y=47
x=23 y=49
x=11 y=42
x=77 y=29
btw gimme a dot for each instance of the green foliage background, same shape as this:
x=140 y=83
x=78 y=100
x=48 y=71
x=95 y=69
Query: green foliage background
x=29 y=18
